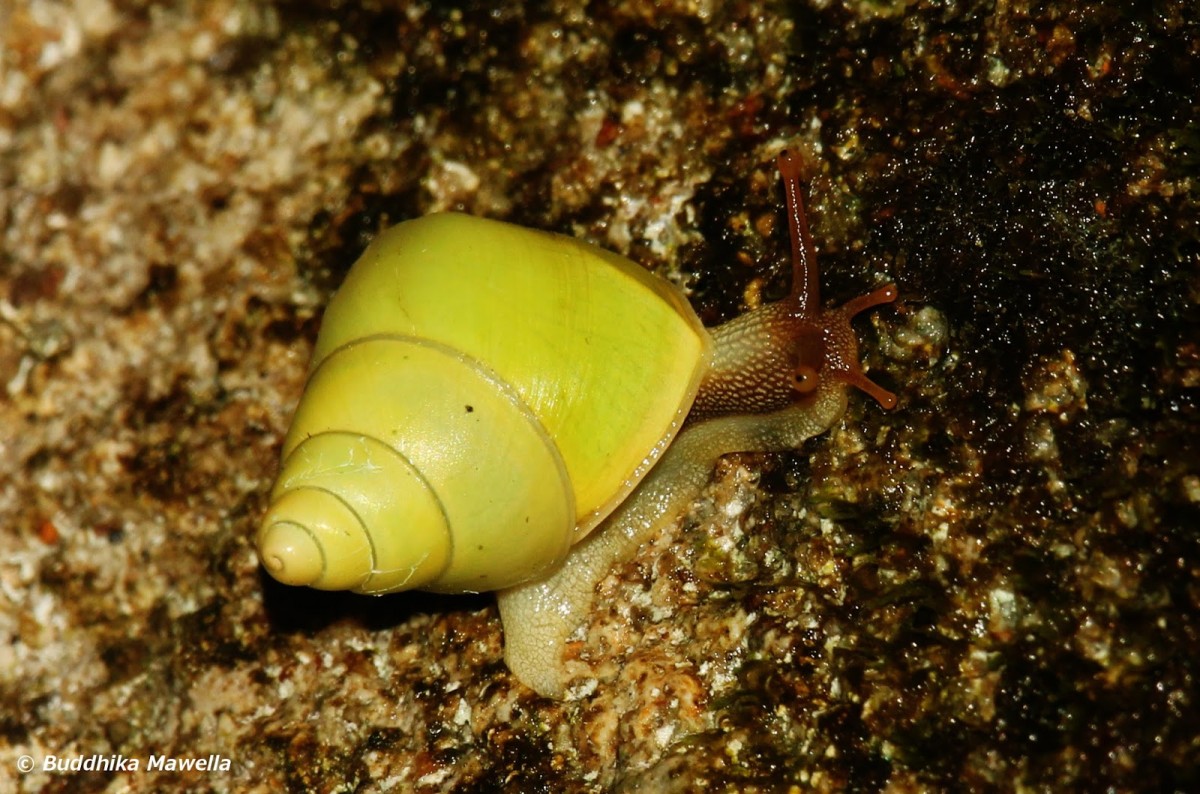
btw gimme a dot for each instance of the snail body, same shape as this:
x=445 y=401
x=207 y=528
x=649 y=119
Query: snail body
x=495 y=408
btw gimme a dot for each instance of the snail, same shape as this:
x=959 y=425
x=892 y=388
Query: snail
x=495 y=408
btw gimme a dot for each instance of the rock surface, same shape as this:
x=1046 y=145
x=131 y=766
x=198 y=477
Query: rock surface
x=995 y=585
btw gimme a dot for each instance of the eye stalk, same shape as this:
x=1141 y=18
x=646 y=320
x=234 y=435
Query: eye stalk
x=768 y=358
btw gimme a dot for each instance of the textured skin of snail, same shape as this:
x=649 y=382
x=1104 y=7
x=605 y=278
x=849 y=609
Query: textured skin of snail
x=494 y=408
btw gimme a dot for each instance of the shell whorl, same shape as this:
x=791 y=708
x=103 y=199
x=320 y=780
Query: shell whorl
x=371 y=486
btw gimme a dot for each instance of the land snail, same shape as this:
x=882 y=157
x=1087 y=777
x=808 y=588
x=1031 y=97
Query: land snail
x=494 y=408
